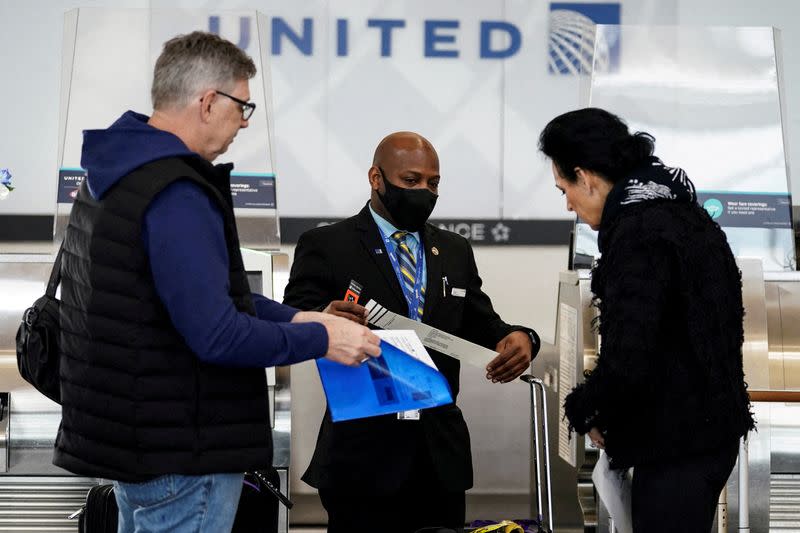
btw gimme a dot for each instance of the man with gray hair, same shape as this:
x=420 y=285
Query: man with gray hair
x=163 y=346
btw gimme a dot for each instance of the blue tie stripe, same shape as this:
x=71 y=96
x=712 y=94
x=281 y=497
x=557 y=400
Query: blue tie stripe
x=408 y=266
x=405 y=261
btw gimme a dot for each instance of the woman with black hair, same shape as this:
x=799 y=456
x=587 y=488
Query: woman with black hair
x=667 y=396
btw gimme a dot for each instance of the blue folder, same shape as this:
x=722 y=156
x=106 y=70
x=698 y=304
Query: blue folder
x=391 y=383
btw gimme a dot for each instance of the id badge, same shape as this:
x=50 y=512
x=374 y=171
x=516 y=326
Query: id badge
x=408 y=415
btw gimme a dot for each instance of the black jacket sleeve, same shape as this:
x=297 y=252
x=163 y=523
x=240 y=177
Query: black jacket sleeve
x=311 y=277
x=632 y=283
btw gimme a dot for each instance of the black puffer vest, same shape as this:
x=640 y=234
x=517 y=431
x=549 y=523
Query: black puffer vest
x=136 y=402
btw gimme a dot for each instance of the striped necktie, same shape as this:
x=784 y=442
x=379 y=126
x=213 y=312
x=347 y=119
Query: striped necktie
x=408 y=267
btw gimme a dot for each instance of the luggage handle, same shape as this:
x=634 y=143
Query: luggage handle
x=78 y=513
x=273 y=489
x=536 y=383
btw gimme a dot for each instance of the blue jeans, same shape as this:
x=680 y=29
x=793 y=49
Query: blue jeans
x=179 y=504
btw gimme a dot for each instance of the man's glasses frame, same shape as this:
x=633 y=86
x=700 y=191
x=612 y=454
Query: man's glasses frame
x=247 y=107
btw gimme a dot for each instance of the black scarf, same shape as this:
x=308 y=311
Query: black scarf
x=648 y=183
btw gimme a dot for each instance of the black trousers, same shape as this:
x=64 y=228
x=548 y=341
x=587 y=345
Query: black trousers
x=420 y=502
x=682 y=494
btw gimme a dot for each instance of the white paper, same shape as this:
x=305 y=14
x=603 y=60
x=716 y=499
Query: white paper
x=567 y=350
x=435 y=339
x=408 y=341
x=615 y=492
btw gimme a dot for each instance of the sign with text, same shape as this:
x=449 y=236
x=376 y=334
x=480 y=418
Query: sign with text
x=748 y=210
x=254 y=191
x=69 y=181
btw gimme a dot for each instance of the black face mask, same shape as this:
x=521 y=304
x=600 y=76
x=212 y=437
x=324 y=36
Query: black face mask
x=410 y=208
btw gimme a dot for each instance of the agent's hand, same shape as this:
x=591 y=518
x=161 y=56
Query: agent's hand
x=349 y=310
x=513 y=359
x=597 y=439
x=349 y=343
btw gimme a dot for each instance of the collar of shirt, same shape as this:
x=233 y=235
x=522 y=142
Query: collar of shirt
x=388 y=229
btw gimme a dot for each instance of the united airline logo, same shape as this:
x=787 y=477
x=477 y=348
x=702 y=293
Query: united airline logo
x=572 y=48
x=440 y=38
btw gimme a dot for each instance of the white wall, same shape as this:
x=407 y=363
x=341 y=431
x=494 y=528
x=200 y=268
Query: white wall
x=351 y=96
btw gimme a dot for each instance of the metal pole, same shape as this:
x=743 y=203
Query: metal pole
x=536 y=458
x=551 y=520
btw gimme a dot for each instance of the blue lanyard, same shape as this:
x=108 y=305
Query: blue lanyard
x=414 y=298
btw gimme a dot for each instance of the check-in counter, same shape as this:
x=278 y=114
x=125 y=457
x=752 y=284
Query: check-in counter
x=772 y=370
x=33 y=492
x=560 y=366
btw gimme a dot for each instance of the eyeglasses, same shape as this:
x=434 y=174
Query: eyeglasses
x=247 y=107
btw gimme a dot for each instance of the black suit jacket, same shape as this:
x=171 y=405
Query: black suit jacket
x=379 y=452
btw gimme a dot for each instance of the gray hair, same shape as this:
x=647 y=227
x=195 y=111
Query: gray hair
x=196 y=62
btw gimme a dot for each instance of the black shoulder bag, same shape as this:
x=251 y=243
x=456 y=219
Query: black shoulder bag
x=37 y=339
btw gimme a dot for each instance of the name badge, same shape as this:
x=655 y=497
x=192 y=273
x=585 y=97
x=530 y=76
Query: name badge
x=408 y=415
x=459 y=292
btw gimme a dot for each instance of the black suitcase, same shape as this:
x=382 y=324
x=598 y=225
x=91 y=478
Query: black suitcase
x=100 y=513
x=258 y=505
x=257 y=511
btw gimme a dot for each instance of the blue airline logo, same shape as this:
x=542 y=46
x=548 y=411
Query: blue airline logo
x=572 y=48
x=439 y=36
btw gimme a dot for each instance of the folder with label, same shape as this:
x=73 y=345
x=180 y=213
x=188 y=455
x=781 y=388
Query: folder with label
x=394 y=382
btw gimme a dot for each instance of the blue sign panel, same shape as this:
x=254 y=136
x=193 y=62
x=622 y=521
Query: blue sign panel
x=254 y=191
x=747 y=210
x=69 y=181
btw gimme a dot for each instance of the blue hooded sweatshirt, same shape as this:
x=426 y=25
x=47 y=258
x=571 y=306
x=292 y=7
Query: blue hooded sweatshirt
x=183 y=234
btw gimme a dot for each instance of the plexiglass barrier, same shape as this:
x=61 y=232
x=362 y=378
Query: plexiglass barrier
x=107 y=69
x=713 y=99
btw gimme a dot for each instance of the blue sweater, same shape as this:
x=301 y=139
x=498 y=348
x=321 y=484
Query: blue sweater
x=184 y=237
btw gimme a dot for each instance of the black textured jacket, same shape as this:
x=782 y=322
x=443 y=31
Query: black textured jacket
x=136 y=402
x=669 y=379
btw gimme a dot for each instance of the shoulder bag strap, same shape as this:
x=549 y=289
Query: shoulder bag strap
x=55 y=274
